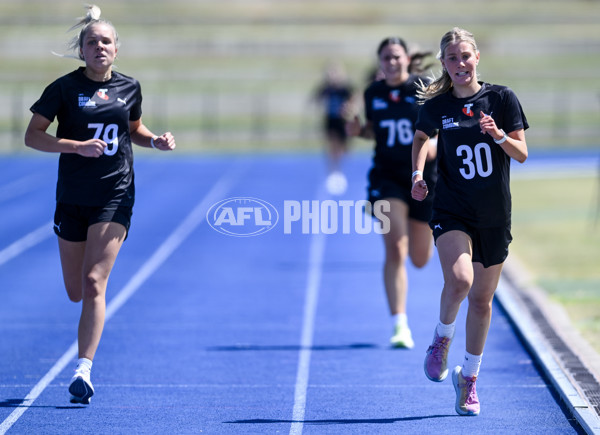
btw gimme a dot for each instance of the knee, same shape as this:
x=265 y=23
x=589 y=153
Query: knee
x=480 y=305
x=396 y=251
x=459 y=285
x=93 y=286
x=394 y=256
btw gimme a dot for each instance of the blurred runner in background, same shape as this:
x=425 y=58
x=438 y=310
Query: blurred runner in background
x=335 y=95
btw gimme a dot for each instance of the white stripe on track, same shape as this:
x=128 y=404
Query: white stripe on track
x=189 y=224
x=26 y=242
x=315 y=259
x=21 y=186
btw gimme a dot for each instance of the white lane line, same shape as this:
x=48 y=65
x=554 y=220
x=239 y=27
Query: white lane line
x=26 y=242
x=21 y=186
x=189 y=224
x=196 y=216
x=316 y=251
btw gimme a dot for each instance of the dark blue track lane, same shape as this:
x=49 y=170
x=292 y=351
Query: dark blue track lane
x=209 y=340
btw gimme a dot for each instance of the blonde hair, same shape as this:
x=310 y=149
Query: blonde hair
x=91 y=18
x=443 y=83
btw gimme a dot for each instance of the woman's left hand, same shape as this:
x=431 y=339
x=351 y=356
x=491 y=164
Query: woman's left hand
x=165 y=142
x=488 y=125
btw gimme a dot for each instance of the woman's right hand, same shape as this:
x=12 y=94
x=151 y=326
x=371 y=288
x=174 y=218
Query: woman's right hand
x=91 y=148
x=419 y=190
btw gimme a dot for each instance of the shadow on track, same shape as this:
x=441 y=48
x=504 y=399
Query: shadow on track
x=343 y=421
x=250 y=347
x=17 y=403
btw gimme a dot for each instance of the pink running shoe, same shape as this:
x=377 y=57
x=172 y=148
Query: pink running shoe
x=467 y=402
x=436 y=359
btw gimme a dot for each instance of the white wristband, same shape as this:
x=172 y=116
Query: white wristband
x=414 y=174
x=152 y=141
x=502 y=139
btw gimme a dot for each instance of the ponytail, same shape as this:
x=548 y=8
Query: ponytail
x=438 y=86
x=91 y=17
x=417 y=63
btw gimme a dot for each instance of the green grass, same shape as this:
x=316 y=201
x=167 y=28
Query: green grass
x=557 y=236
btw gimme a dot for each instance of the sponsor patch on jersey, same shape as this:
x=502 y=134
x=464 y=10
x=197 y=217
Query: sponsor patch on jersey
x=449 y=123
x=84 y=101
x=102 y=94
x=467 y=109
x=395 y=95
x=379 y=104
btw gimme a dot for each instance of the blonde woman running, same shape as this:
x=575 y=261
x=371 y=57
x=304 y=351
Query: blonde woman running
x=481 y=128
x=99 y=115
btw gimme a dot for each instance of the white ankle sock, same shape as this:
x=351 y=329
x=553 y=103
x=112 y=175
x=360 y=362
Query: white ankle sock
x=400 y=319
x=471 y=365
x=444 y=330
x=84 y=364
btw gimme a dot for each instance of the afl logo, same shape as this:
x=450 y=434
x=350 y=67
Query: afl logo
x=242 y=216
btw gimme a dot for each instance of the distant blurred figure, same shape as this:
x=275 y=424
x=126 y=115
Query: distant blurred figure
x=335 y=95
x=391 y=111
x=99 y=114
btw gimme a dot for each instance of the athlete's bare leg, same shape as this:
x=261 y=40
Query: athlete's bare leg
x=420 y=242
x=479 y=314
x=396 y=251
x=336 y=149
x=90 y=273
x=464 y=278
x=71 y=259
x=455 y=252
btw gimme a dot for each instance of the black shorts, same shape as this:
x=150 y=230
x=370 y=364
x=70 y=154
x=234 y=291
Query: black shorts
x=382 y=187
x=71 y=221
x=336 y=127
x=490 y=245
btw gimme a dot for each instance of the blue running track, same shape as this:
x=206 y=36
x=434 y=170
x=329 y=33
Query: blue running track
x=209 y=333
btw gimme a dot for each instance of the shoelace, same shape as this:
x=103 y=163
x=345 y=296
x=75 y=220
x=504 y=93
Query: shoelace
x=471 y=391
x=440 y=346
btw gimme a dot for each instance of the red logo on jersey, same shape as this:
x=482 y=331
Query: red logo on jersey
x=102 y=94
x=395 y=95
x=467 y=109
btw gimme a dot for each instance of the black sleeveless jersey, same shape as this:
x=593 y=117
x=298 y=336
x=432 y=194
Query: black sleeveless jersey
x=393 y=112
x=473 y=171
x=86 y=109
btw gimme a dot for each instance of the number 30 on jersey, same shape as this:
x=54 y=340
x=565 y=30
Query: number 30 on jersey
x=476 y=161
x=109 y=134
